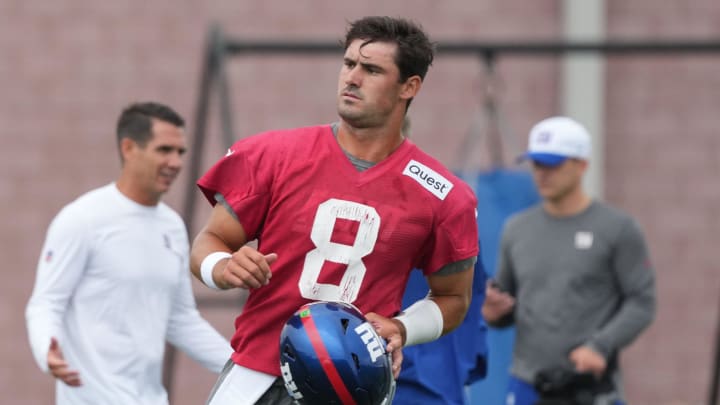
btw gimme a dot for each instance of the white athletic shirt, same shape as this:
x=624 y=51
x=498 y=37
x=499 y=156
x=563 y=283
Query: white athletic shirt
x=113 y=284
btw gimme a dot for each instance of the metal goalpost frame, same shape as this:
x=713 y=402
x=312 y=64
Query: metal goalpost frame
x=214 y=83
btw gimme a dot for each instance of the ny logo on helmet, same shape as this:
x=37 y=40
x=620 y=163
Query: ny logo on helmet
x=370 y=338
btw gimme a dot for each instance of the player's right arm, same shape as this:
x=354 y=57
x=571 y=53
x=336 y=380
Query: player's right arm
x=245 y=268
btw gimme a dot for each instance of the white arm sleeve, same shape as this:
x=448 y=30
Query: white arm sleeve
x=423 y=322
x=60 y=268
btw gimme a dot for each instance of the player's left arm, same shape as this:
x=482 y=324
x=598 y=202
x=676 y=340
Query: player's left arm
x=451 y=262
x=452 y=292
x=440 y=312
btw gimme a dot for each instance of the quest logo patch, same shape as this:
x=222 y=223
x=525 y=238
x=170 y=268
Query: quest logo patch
x=428 y=178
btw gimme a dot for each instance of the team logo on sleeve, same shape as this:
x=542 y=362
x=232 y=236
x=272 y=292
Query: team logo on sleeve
x=431 y=180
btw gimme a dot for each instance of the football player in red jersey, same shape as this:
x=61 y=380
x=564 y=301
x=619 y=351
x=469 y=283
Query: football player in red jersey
x=340 y=212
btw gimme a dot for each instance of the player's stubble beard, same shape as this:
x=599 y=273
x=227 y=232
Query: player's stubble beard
x=359 y=115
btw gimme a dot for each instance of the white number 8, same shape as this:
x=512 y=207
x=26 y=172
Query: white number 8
x=326 y=250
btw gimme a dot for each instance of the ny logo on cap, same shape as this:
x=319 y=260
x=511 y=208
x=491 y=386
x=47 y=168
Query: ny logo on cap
x=544 y=137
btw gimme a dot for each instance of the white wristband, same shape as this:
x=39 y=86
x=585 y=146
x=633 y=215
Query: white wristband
x=207 y=266
x=423 y=322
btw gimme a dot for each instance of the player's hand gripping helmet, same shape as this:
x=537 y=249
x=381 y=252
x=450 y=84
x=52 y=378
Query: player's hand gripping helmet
x=330 y=354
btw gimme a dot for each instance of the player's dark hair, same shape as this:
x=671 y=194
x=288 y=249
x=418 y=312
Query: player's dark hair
x=414 y=53
x=135 y=121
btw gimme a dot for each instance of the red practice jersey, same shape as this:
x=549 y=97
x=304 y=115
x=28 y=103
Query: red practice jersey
x=340 y=234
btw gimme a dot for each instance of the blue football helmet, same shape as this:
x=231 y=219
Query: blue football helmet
x=330 y=354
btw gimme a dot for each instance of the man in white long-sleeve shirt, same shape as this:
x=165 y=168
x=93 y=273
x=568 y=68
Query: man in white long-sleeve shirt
x=113 y=282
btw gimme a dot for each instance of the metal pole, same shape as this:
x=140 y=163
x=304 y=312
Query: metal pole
x=209 y=72
x=468 y=48
x=224 y=89
x=715 y=372
x=209 y=68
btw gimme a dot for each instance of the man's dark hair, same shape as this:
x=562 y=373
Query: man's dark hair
x=414 y=50
x=135 y=121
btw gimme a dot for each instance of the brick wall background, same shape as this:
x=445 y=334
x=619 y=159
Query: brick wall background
x=663 y=157
x=69 y=66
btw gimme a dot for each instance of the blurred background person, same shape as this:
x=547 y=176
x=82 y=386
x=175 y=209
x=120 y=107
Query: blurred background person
x=112 y=282
x=573 y=276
